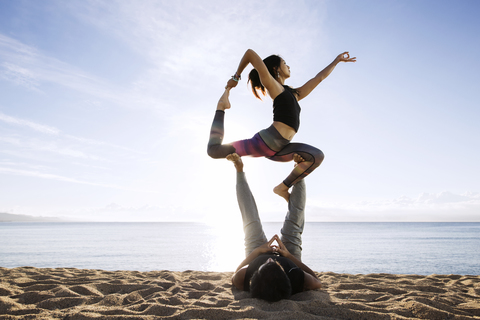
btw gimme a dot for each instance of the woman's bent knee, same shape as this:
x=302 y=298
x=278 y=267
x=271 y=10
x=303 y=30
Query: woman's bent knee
x=219 y=151
x=319 y=156
x=212 y=151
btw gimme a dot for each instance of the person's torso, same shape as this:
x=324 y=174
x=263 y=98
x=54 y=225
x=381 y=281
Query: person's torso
x=286 y=109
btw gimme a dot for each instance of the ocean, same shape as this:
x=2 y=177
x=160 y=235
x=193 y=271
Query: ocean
x=399 y=248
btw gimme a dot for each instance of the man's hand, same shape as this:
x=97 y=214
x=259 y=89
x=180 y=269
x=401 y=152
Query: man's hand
x=267 y=247
x=231 y=84
x=281 y=249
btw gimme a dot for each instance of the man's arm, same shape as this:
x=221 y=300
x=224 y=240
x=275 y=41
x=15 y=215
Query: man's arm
x=311 y=281
x=238 y=278
x=283 y=251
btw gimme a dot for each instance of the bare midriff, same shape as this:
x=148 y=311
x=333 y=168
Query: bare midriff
x=285 y=130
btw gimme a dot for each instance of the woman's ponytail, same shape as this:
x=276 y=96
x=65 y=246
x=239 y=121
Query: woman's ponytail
x=272 y=63
x=254 y=79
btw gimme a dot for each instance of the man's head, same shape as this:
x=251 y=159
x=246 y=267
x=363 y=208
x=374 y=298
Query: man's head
x=270 y=282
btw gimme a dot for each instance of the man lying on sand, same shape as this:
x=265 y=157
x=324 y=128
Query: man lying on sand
x=272 y=271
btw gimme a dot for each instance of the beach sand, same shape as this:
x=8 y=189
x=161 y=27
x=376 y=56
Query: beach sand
x=66 y=293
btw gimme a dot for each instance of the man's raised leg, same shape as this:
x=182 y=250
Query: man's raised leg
x=252 y=226
x=295 y=219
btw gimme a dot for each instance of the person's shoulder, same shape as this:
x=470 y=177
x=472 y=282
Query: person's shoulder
x=238 y=278
x=297 y=279
x=311 y=282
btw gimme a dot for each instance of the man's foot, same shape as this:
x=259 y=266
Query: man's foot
x=224 y=103
x=282 y=191
x=237 y=161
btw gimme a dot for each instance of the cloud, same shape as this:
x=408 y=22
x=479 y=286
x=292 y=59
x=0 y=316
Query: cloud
x=20 y=76
x=187 y=40
x=43 y=175
x=52 y=147
x=181 y=44
x=49 y=176
x=145 y=213
x=11 y=49
x=28 y=67
x=433 y=200
x=86 y=152
x=26 y=123
x=101 y=143
x=49 y=145
x=447 y=197
x=443 y=206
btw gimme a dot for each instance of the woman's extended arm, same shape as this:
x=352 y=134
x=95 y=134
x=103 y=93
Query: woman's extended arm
x=308 y=87
x=273 y=87
x=239 y=275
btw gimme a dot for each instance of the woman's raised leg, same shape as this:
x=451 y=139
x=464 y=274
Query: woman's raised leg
x=215 y=148
x=312 y=156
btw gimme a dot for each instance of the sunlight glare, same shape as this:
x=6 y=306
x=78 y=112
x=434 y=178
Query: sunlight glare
x=228 y=251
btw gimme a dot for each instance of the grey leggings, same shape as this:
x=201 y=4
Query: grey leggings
x=291 y=233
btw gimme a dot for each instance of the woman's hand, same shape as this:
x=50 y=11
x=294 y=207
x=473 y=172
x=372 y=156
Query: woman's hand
x=308 y=87
x=345 y=57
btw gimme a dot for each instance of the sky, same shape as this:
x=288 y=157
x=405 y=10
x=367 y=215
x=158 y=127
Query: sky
x=106 y=108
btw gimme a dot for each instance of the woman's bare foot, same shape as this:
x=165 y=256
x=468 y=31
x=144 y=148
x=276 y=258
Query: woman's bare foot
x=224 y=103
x=237 y=161
x=282 y=191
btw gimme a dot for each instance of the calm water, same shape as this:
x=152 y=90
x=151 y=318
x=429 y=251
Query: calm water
x=409 y=248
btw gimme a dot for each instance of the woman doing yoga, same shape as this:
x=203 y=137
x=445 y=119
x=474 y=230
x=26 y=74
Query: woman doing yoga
x=268 y=77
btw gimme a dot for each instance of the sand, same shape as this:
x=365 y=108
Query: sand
x=66 y=293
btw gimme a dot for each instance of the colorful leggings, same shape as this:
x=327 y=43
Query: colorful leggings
x=267 y=143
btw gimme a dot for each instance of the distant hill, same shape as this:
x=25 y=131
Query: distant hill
x=8 y=217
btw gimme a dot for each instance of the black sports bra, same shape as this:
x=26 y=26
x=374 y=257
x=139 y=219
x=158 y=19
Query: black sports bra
x=286 y=109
